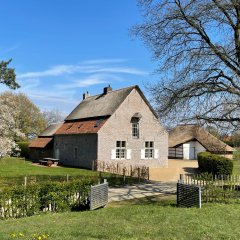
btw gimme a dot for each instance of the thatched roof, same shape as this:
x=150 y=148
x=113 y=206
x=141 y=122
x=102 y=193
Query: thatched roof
x=103 y=104
x=50 y=130
x=185 y=133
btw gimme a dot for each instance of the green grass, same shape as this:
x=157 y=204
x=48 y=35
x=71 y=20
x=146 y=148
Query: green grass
x=13 y=171
x=149 y=218
x=17 y=167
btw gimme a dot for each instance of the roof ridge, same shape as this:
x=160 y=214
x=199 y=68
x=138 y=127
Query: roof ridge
x=133 y=86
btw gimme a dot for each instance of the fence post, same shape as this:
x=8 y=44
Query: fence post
x=138 y=174
x=181 y=178
x=25 y=181
x=124 y=176
x=67 y=177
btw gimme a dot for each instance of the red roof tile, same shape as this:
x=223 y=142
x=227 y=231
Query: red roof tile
x=40 y=142
x=81 y=126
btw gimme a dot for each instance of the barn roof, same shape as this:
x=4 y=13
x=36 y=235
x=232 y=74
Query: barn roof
x=50 y=130
x=103 y=104
x=185 y=133
x=81 y=126
x=40 y=142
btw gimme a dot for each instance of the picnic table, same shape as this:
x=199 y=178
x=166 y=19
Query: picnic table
x=49 y=161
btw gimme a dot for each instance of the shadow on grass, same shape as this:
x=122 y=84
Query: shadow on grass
x=159 y=200
x=190 y=170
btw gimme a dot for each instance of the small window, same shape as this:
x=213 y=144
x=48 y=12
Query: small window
x=135 y=130
x=121 y=149
x=149 y=149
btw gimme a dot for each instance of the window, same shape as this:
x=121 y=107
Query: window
x=135 y=130
x=75 y=153
x=121 y=149
x=149 y=149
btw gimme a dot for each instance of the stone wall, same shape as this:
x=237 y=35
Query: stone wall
x=78 y=150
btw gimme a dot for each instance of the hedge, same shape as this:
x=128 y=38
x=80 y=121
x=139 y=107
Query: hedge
x=24 y=149
x=21 y=201
x=214 y=164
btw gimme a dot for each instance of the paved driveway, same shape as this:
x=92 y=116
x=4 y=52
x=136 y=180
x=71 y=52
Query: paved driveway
x=175 y=168
x=141 y=190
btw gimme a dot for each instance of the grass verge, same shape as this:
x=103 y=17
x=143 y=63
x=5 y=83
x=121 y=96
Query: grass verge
x=148 y=218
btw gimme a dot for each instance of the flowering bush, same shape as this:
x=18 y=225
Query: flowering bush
x=8 y=129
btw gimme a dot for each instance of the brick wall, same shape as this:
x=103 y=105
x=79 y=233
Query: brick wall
x=119 y=128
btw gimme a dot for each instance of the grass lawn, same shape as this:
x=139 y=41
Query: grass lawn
x=149 y=218
x=16 y=167
x=13 y=171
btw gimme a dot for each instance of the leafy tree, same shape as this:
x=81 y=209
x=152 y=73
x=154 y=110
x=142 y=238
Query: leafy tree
x=197 y=45
x=27 y=116
x=7 y=75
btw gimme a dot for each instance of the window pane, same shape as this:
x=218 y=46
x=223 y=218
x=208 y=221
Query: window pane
x=118 y=144
x=118 y=153
x=151 y=153
x=123 y=144
x=146 y=144
x=122 y=153
x=151 y=144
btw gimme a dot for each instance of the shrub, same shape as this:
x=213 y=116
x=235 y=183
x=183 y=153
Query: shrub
x=24 y=149
x=236 y=155
x=214 y=164
x=20 y=201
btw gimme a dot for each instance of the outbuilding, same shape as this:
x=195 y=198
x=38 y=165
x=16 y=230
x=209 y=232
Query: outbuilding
x=186 y=141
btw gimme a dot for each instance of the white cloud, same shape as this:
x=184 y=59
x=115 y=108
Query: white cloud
x=104 y=61
x=60 y=70
x=54 y=71
x=85 y=82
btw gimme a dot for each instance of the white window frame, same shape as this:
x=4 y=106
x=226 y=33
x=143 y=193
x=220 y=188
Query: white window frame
x=149 y=150
x=135 y=130
x=121 y=150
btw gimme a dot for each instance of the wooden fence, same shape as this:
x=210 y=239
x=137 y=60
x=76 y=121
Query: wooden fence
x=140 y=172
x=224 y=188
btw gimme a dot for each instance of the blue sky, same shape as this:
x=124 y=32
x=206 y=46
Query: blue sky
x=63 y=48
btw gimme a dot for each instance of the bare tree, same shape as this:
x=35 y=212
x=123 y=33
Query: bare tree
x=52 y=116
x=197 y=44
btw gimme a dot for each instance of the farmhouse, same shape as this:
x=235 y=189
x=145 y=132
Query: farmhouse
x=112 y=127
x=186 y=141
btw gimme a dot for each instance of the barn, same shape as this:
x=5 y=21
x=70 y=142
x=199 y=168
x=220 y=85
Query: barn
x=42 y=147
x=186 y=141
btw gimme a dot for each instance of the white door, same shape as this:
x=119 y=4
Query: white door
x=186 y=150
x=189 y=150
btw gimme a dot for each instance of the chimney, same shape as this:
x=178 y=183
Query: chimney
x=86 y=95
x=107 y=90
